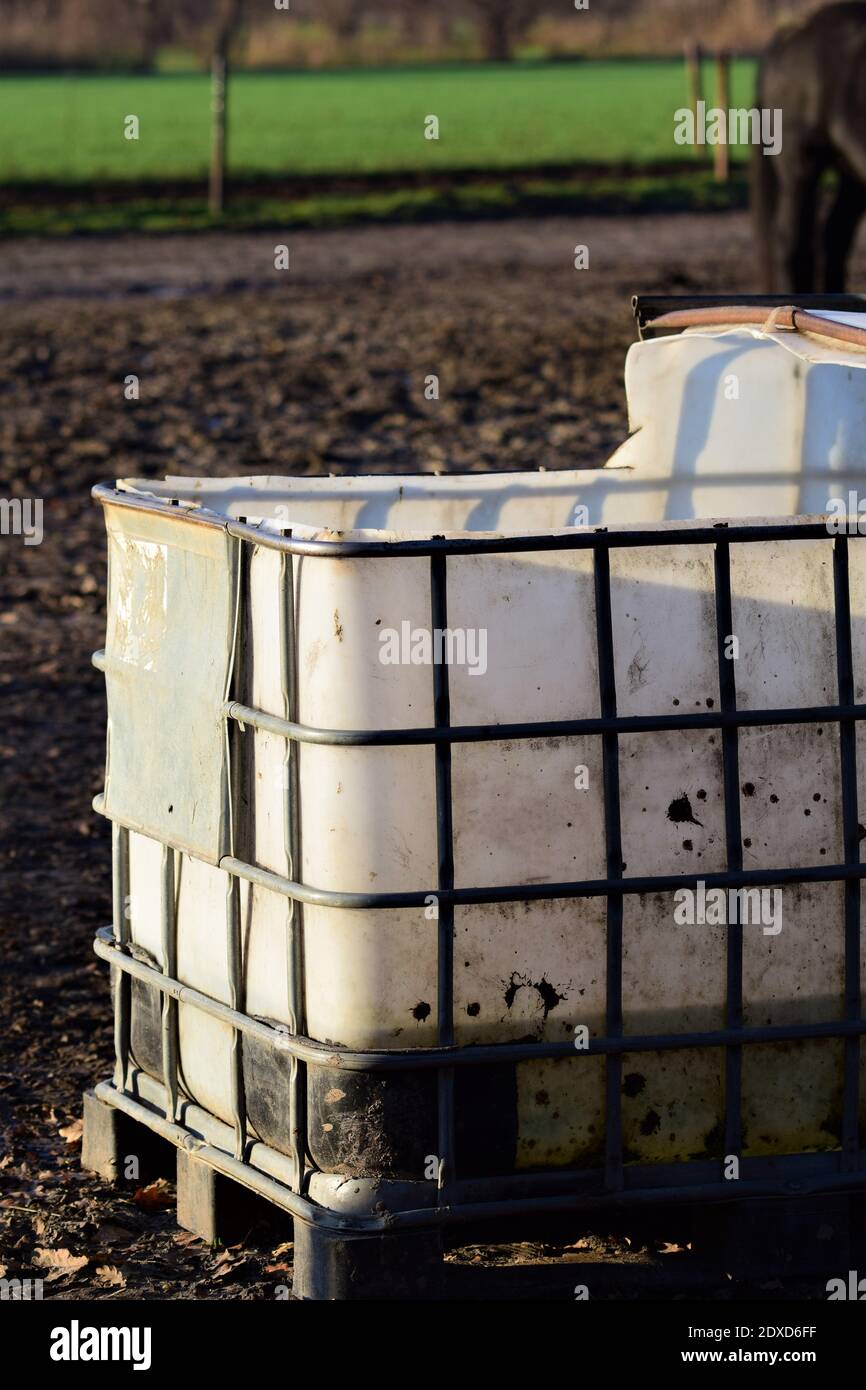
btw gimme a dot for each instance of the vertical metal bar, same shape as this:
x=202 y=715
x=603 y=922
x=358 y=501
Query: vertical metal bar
x=850 y=832
x=734 y=849
x=236 y=1001
x=613 y=842
x=168 y=926
x=234 y=948
x=122 y=980
x=445 y=848
x=295 y=991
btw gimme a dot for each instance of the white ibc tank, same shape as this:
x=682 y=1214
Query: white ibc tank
x=726 y=425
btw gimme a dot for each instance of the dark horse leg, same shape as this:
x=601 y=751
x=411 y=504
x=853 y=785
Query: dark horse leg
x=840 y=229
x=812 y=72
x=793 y=232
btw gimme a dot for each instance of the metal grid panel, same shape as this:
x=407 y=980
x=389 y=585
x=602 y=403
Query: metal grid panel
x=453 y=1193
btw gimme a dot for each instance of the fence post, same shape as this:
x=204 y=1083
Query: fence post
x=216 y=189
x=692 y=55
x=722 y=153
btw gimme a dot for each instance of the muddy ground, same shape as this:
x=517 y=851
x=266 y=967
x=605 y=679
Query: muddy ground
x=318 y=368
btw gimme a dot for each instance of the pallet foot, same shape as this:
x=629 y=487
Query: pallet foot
x=116 y=1146
x=331 y=1265
x=218 y=1209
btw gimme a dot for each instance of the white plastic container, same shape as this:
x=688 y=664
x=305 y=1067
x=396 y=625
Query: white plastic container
x=235 y=596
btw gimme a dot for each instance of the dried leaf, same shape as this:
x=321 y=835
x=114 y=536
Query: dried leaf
x=184 y=1238
x=72 y=1133
x=284 y=1249
x=108 y=1274
x=62 y=1260
x=279 y=1268
x=156 y=1196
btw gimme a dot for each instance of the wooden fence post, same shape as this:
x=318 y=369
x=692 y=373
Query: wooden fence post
x=216 y=188
x=722 y=153
x=692 y=54
x=230 y=15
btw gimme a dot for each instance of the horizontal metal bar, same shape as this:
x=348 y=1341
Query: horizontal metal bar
x=578 y=539
x=517 y=892
x=551 y=728
x=481 y=1054
x=664 y=533
x=528 y=729
x=790 y=1180
x=801 y=1173
x=542 y=892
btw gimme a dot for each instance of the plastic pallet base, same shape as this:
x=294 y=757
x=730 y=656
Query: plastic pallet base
x=748 y=1238
x=328 y=1265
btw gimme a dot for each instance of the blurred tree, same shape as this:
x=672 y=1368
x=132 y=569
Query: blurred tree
x=229 y=18
x=157 y=28
x=503 y=22
x=343 y=16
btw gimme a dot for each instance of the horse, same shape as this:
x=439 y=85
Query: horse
x=815 y=73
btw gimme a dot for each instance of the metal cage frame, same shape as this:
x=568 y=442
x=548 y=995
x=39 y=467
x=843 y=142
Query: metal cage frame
x=456 y=1197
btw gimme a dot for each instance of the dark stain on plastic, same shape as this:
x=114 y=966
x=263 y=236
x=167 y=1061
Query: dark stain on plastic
x=681 y=813
x=549 y=996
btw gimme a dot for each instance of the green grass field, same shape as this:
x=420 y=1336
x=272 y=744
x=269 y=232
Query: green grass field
x=492 y=117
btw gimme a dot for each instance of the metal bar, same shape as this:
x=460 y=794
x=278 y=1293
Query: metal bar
x=121 y=932
x=324 y=1054
x=552 y=728
x=235 y=785
x=445 y=909
x=613 y=842
x=598 y=538
x=295 y=986
x=168 y=924
x=734 y=851
x=664 y=533
x=302 y=1209
x=851 y=839
x=523 y=892
x=543 y=892
x=236 y=997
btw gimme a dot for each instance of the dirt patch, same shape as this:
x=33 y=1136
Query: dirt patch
x=321 y=369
